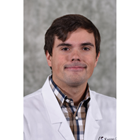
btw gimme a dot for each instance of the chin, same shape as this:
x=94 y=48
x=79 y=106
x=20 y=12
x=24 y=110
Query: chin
x=75 y=83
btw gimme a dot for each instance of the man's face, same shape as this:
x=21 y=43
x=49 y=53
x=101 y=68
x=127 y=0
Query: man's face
x=73 y=60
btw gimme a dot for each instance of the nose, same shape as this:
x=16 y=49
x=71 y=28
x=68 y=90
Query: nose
x=75 y=55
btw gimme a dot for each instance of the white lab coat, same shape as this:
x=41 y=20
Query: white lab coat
x=44 y=119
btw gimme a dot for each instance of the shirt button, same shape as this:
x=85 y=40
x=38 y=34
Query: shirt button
x=67 y=100
x=76 y=117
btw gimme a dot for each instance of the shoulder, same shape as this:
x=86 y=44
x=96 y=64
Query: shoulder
x=106 y=104
x=32 y=96
x=33 y=100
x=103 y=99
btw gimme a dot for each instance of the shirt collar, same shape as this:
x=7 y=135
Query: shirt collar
x=61 y=97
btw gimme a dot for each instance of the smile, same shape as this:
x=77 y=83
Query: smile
x=75 y=68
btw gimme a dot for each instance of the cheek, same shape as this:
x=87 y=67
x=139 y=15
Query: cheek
x=91 y=64
x=91 y=68
x=58 y=62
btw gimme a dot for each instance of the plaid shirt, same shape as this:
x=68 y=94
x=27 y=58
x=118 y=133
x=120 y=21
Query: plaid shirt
x=75 y=115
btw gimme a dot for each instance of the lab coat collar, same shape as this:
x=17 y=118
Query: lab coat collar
x=92 y=119
x=52 y=104
x=95 y=110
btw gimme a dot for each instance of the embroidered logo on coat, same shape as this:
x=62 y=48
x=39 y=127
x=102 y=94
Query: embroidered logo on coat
x=102 y=138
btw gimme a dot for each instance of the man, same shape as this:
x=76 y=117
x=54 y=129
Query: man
x=65 y=108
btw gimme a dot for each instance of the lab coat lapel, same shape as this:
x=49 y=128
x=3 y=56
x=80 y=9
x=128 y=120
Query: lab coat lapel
x=93 y=116
x=65 y=131
x=58 y=120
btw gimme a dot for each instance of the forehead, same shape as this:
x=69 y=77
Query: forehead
x=78 y=36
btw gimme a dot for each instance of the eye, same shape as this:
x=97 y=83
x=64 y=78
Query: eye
x=65 y=49
x=86 y=48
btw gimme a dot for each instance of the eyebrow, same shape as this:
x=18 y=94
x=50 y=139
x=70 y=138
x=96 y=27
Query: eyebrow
x=87 y=44
x=64 y=44
x=82 y=44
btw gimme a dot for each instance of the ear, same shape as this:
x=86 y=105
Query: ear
x=49 y=59
x=97 y=59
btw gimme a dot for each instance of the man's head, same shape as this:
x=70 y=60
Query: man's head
x=72 y=48
x=67 y=24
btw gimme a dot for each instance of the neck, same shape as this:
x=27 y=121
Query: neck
x=75 y=93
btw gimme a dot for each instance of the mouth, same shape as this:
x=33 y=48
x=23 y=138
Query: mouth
x=75 y=67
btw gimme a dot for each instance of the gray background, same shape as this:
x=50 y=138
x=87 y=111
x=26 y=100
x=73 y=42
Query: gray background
x=39 y=14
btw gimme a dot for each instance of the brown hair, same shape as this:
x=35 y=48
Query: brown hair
x=66 y=24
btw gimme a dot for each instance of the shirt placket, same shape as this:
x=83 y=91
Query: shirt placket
x=75 y=111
